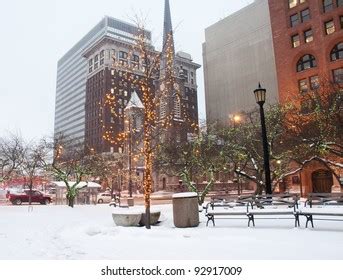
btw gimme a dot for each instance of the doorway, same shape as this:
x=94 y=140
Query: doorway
x=322 y=181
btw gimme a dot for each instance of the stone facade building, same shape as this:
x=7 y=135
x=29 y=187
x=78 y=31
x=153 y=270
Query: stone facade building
x=238 y=54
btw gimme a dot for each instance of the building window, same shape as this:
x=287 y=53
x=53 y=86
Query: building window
x=338 y=75
x=314 y=82
x=292 y=3
x=90 y=63
x=102 y=57
x=135 y=61
x=123 y=58
x=308 y=35
x=96 y=60
x=337 y=52
x=295 y=41
x=327 y=5
x=177 y=108
x=306 y=62
x=339 y=3
x=329 y=27
x=303 y=86
x=341 y=21
x=305 y=15
x=294 y=20
x=123 y=55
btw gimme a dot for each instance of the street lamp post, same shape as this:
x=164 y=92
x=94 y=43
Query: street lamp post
x=260 y=95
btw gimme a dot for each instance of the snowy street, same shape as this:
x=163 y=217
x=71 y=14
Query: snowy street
x=88 y=232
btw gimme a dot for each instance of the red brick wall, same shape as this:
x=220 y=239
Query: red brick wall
x=287 y=57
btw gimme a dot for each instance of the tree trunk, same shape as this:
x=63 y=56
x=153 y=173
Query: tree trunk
x=259 y=189
x=147 y=217
x=30 y=193
x=71 y=201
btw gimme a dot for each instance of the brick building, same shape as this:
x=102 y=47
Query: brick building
x=308 y=43
x=308 y=48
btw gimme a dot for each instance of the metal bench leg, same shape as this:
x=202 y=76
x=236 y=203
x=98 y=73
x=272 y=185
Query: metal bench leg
x=210 y=218
x=309 y=218
x=297 y=222
x=251 y=219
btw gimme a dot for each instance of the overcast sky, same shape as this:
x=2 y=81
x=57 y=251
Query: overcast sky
x=36 y=33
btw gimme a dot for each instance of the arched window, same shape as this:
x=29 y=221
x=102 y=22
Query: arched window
x=306 y=62
x=337 y=52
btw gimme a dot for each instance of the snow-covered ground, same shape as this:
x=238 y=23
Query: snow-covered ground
x=88 y=232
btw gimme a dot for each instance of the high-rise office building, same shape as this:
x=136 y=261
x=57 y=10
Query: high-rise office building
x=73 y=71
x=238 y=54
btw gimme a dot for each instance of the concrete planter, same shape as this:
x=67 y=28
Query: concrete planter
x=185 y=210
x=126 y=219
x=154 y=216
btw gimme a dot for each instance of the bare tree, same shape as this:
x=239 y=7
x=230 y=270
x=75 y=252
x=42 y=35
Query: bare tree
x=32 y=166
x=12 y=151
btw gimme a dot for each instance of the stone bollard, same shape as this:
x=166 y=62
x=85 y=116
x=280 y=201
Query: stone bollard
x=185 y=210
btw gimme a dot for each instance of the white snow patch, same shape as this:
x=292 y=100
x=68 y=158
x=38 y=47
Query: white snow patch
x=88 y=232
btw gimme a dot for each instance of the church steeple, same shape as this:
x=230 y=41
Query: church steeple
x=167 y=25
x=167 y=65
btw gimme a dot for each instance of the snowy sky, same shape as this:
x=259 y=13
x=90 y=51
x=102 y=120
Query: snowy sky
x=36 y=33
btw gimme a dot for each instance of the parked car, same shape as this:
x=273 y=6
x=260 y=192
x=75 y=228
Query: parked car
x=104 y=197
x=22 y=197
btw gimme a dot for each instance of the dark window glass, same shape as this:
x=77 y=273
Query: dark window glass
x=339 y=3
x=306 y=62
x=135 y=58
x=123 y=55
x=338 y=75
x=327 y=5
x=308 y=34
x=337 y=52
x=295 y=41
x=305 y=15
x=329 y=27
x=294 y=20
x=314 y=82
x=341 y=21
x=303 y=86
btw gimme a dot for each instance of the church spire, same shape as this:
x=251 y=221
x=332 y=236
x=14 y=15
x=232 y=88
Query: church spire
x=167 y=25
x=167 y=65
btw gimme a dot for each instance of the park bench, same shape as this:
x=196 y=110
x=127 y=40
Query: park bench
x=324 y=205
x=274 y=206
x=227 y=208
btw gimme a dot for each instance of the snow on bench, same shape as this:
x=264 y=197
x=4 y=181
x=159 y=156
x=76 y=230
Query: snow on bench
x=274 y=205
x=327 y=205
x=226 y=208
x=269 y=205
